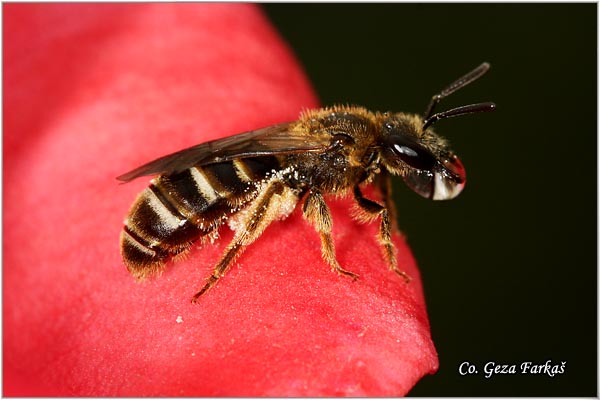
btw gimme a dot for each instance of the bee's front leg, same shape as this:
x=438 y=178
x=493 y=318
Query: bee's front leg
x=383 y=180
x=371 y=210
x=317 y=213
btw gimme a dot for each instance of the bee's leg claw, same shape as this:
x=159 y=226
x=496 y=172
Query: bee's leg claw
x=209 y=283
x=403 y=274
x=342 y=271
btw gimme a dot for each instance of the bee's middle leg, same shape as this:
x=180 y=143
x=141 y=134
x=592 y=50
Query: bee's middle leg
x=385 y=229
x=317 y=213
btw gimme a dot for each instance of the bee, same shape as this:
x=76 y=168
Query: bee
x=254 y=178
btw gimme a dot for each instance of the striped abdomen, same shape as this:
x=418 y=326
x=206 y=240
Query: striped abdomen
x=175 y=210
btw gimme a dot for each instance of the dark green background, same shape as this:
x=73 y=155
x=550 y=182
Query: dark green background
x=509 y=267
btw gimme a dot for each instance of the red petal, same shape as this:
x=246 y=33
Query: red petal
x=92 y=91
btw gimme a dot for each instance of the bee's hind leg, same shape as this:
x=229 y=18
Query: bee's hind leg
x=317 y=213
x=233 y=250
x=268 y=206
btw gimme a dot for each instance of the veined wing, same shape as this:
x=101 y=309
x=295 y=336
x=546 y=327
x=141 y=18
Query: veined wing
x=276 y=139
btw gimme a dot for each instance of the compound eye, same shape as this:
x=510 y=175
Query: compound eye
x=428 y=176
x=413 y=154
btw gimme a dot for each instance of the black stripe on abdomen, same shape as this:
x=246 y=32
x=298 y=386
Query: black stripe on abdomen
x=177 y=209
x=158 y=222
x=257 y=168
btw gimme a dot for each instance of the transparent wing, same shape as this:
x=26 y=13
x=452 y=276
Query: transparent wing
x=276 y=139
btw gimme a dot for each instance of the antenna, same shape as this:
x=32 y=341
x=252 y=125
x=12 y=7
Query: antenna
x=454 y=112
x=453 y=87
